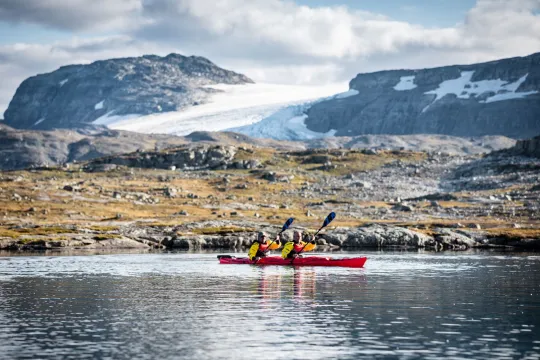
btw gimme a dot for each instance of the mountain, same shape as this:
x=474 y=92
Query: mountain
x=76 y=95
x=179 y=95
x=494 y=98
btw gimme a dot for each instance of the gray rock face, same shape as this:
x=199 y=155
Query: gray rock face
x=496 y=98
x=185 y=158
x=529 y=147
x=79 y=94
x=377 y=236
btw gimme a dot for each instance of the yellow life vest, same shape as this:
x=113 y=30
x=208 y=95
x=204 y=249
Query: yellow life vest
x=302 y=246
x=287 y=249
x=253 y=250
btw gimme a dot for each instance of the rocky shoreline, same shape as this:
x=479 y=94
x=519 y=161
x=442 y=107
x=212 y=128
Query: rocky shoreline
x=238 y=235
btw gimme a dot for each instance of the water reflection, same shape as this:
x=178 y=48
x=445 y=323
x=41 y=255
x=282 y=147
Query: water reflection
x=296 y=283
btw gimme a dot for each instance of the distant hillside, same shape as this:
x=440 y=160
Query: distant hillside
x=495 y=98
x=75 y=95
x=31 y=148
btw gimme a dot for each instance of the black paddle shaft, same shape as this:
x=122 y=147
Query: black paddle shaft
x=285 y=227
x=327 y=221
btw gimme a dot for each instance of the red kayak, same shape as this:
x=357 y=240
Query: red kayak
x=304 y=261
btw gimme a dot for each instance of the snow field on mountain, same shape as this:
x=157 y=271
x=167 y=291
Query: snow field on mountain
x=235 y=106
x=289 y=123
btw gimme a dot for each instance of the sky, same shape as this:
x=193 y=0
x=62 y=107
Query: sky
x=273 y=41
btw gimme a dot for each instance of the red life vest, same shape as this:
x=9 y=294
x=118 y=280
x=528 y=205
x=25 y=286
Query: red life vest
x=263 y=247
x=298 y=247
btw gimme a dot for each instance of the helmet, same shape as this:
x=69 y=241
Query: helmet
x=261 y=235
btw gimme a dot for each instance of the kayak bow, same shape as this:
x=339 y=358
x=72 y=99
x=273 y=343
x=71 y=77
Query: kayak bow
x=301 y=261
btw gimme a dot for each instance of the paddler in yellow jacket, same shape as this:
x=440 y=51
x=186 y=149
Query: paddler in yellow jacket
x=292 y=248
x=260 y=246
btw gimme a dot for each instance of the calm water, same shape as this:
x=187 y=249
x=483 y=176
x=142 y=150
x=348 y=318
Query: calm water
x=187 y=306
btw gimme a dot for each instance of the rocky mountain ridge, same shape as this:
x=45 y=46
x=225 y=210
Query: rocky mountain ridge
x=76 y=95
x=20 y=149
x=494 y=98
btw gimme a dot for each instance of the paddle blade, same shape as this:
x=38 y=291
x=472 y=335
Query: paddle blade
x=329 y=219
x=287 y=224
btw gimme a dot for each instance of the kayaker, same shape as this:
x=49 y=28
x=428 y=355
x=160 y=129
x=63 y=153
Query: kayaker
x=261 y=245
x=292 y=248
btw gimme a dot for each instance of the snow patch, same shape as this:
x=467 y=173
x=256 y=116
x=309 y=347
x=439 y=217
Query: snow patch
x=511 y=94
x=63 y=82
x=464 y=88
x=99 y=105
x=406 y=83
x=236 y=106
x=39 y=121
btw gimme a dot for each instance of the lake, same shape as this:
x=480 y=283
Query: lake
x=177 y=305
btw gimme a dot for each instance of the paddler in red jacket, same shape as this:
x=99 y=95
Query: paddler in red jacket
x=260 y=246
x=292 y=249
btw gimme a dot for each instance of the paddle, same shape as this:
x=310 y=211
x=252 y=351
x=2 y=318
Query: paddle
x=285 y=227
x=327 y=221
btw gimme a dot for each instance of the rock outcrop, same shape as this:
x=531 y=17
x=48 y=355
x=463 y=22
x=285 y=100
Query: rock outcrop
x=377 y=236
x=185 y=158
x=495 y=98
x=529 y=147
x=75 y=95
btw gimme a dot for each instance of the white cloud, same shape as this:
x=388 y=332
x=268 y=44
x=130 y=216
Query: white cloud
x=268 y=40
x=98 y=15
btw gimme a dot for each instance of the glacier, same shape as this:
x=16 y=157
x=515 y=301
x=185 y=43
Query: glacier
x=234 y=107
x=289 y=122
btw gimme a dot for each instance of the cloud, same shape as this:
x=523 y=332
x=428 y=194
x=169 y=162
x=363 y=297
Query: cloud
x=73 y=15
x=268 y=40
x=237 y=27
